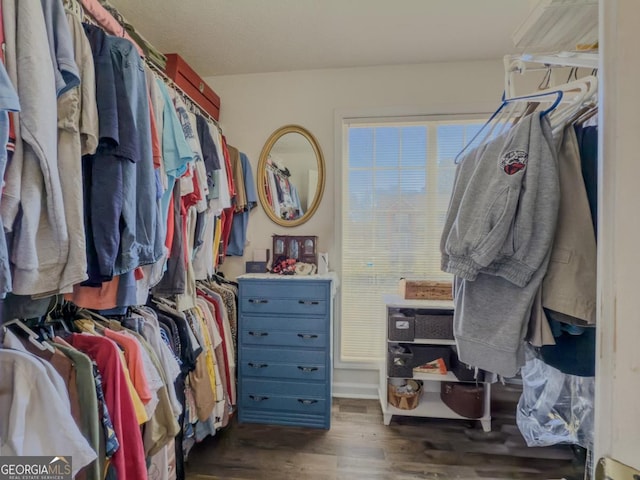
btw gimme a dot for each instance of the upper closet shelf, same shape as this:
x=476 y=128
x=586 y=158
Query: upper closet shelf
x=556 y=25
x=561 y=59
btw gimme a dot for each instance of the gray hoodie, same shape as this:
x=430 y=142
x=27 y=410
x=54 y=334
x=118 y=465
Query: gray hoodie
x=498 y=219
x=497 y=241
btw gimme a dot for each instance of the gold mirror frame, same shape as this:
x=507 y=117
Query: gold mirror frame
x=262 y=167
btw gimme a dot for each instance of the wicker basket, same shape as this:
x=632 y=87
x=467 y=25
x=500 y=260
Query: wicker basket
x=405 y=400
x=401 y=327
x=434 y=325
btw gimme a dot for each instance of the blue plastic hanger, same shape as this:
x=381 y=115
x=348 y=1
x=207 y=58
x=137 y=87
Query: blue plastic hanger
x=506 y=101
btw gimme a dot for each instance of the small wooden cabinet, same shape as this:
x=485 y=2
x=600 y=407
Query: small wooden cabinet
x=284 y=354
x=430 y=404
x=303 y=248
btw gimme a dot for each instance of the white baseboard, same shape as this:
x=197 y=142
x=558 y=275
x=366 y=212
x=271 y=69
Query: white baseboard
x=350 y=390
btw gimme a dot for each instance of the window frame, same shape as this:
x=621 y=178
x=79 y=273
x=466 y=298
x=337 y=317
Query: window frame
x=344 y=118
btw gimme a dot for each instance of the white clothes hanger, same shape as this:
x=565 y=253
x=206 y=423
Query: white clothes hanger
x=566 y=100
x=502 y=114
x=31 y=335
x=586 y=89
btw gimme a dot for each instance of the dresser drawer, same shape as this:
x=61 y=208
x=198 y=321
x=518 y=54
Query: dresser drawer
x=283 y=403
x=294 y=338
x=297 y=323
x=294 y=306
x=295 y=289
x=288 y=396
x=258 y=386
x=287 y=364
x=280 y=417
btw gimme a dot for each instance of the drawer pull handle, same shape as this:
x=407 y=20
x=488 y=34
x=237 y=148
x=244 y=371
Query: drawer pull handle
x=258 y=300
x=258 y=334
x=308 y=369
x=306 y=336
x=258 y=398
x=258 y=365
x=308 y=302
x=305 y=401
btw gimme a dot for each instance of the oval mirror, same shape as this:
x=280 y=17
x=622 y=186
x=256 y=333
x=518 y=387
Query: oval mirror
x=291 y=176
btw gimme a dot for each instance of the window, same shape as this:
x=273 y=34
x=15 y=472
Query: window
x=396 y=182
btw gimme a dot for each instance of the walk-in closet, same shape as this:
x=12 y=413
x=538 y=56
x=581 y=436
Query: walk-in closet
x=339 y=239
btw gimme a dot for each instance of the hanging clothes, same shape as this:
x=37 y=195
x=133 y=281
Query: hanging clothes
x=8 y=103
x=27 y=397
x=497 y=240
x=117 y=190
x=238 y=236
x=40 y=72
x=78 y=133
x=569 y=286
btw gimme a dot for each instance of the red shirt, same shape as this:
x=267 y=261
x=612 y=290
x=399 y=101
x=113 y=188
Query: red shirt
x=129 y=460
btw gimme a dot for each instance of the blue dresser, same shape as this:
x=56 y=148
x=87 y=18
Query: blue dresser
x=284 y=349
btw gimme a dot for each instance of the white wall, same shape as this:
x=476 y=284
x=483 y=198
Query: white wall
x=255 y=105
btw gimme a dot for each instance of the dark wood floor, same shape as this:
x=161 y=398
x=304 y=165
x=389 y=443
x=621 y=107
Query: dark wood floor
x=359 y=446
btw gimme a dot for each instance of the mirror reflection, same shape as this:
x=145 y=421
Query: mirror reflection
x=292 y=173
x=290 y=176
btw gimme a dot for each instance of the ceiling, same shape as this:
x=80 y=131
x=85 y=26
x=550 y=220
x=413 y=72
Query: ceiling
x=225 y=37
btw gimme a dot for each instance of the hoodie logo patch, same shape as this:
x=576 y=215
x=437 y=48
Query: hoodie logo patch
x=513 y=162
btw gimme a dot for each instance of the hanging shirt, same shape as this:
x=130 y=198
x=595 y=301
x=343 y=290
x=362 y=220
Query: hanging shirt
x=78 y=133
x=129 y=460
x=12 y=341
x=8 y=103
x=238 y=178
x=238 y=236
x=109 y=207
x=200 y=169
x=27 y=396
x=87 y=394
x=216 y=341
x=170 y=366
x=220 y=194
x=135 y=365
x=40 y=243
x=209 y=151
x=175 y=150
x=61 y=48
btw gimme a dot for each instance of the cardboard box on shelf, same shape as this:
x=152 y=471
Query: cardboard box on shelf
x=425 y=290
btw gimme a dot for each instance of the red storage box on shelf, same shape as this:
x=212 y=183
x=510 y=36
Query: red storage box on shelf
x=193 y=85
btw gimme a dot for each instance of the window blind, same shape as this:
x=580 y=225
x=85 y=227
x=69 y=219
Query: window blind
x=397 y=181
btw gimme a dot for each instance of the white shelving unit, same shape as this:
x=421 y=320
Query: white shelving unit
x=430 y=405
